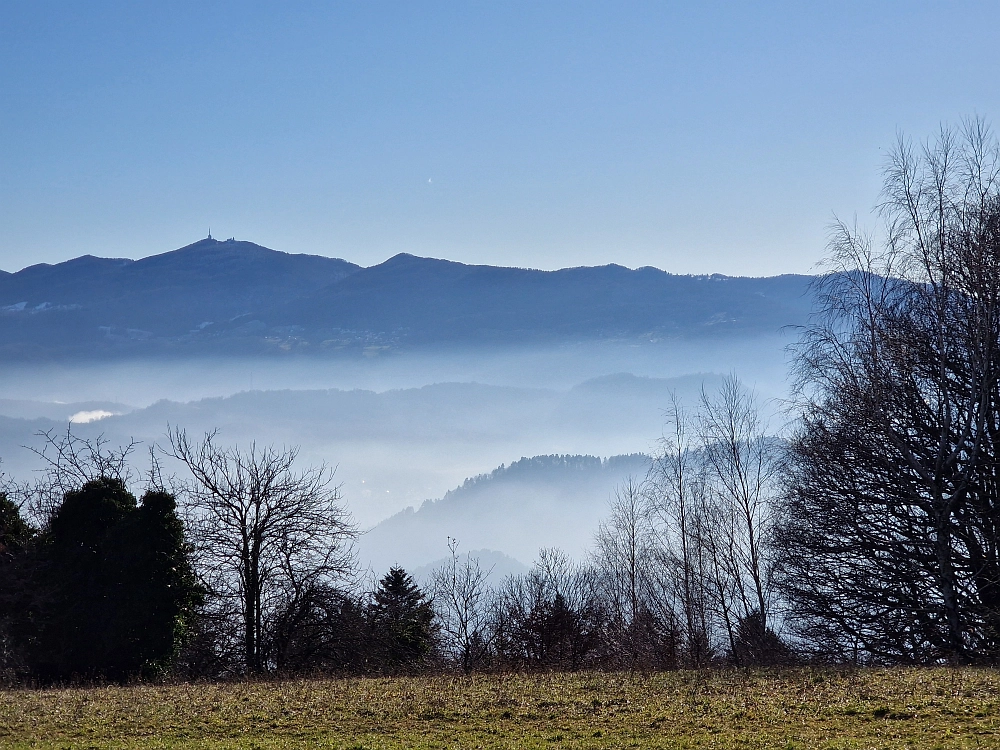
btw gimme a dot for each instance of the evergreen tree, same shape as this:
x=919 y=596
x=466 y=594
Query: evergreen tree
x=145 y=564
x=119 y=588
x=401 y=621
x=15 y=536
x=70 y=619
x=15 y=532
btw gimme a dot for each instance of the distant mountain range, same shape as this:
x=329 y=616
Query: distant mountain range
x=399 y=447
x=238 y=297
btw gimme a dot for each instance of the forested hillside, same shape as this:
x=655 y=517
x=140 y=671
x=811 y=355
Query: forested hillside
x=543 y=501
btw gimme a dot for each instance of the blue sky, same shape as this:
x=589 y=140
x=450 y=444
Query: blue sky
x=697 y=137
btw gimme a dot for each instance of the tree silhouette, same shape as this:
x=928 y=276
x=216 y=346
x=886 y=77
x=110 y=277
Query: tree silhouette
x=891 y=547
x=15 y=591
x=269 y=536
x=401 y=620
x=119 y=591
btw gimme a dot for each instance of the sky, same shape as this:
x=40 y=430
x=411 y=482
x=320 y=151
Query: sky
x=696 y=137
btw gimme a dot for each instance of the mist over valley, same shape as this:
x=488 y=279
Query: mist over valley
x=409 y=377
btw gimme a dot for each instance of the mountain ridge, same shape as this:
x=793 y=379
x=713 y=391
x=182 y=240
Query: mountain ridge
x=568 y=498
x=239 y=297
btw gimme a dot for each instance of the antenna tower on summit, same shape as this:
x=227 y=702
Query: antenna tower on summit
x=210 y=233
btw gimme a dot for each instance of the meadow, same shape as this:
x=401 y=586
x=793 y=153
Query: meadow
x=801 y=708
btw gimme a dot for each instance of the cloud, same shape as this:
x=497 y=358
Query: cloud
x=82 y=417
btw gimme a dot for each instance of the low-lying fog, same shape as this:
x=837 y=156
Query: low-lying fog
x=405 y=428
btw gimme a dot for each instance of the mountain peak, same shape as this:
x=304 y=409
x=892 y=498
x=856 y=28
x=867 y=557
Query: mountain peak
x=211 y=244
x=402 y=260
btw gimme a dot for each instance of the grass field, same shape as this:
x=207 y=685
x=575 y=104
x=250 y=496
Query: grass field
x=937 y=708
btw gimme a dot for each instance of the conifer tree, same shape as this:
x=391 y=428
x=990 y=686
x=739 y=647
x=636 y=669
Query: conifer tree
x=115 y=588
x=401 y=620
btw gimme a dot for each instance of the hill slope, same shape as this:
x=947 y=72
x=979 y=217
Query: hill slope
x=544 y=501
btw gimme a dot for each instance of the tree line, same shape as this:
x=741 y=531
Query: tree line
x=866 y=531
x=870 y=532
x=243 y=566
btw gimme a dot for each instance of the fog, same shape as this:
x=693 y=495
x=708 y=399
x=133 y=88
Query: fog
x=759 y=360
x=405 y=428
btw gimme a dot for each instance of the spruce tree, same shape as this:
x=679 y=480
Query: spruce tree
x=401 y=620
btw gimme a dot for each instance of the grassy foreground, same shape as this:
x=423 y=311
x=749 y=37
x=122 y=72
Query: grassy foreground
x=789 y=709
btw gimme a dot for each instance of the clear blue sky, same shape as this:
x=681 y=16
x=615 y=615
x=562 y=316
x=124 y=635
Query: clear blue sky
x=696 y=137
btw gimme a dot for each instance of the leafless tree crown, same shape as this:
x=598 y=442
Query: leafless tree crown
x=892 y=549
x=266 y=534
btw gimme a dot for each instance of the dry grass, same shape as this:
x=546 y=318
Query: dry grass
x=789 y=709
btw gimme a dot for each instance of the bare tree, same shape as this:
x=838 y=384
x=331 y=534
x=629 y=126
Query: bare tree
x=686 y=557
x=69 y=462
x=741 y=464
x=550 y=618
x=266 y=535
x=675 y=494
x=641 y=619
x=892 y=544
x=622 y=550
x=460 y=595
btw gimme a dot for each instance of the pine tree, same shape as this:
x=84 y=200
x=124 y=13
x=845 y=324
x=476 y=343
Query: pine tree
x=401 y=621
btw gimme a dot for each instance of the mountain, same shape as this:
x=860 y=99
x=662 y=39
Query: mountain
x=238 y=297
x=428 y=300
x=95 y=305
x=543 y=501
x=209 y=277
